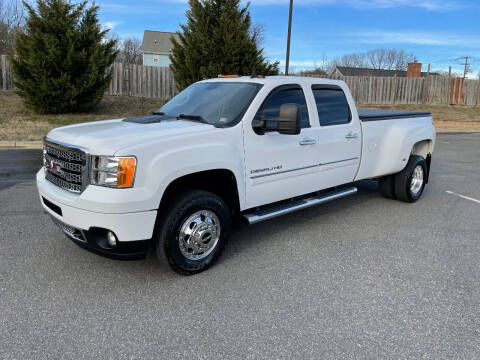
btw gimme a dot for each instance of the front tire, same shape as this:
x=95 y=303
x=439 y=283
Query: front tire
x=193 y=233
x=410 y=182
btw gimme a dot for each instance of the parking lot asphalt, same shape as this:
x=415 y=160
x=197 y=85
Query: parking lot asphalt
x=360 y=278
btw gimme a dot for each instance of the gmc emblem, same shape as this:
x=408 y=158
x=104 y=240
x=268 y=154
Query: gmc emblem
x=54 y=167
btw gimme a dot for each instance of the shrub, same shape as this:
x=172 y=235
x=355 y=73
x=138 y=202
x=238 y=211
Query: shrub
x=217 y=39
x=63 y=59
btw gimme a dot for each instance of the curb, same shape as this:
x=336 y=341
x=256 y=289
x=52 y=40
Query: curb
x=9 y=145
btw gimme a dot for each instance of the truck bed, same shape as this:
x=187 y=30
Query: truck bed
x=378 y=115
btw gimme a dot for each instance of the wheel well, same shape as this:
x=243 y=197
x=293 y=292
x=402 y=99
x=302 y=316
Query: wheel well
x=424 y=149
x=220 y=182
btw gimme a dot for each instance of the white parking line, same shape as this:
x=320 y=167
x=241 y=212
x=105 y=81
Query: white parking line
x=463 y=196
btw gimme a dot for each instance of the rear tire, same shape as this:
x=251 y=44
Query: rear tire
x=386 y=185
x=410 y=182
x=192 y=234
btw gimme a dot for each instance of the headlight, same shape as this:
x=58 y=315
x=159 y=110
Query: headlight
x=113 y=171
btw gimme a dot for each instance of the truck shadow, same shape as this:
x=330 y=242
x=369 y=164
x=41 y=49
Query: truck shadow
x=247 y=236
x=244 y=240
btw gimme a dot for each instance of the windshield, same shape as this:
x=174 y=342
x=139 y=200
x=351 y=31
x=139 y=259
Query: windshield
x=217 y=103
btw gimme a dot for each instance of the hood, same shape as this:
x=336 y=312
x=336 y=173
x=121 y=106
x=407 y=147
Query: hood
x=107 y=137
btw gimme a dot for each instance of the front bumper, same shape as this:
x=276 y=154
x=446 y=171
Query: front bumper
x=133 y=230
x=89 y=240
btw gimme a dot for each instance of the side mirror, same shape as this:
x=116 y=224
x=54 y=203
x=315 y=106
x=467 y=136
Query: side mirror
x=288 y=123
x=289 y=120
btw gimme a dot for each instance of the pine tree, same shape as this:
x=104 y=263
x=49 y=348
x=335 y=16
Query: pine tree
x=217 y=39
x=63 y=59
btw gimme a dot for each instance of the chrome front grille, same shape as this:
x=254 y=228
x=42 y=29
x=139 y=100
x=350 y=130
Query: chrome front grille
x=66 y=167
x=65 y=164
x=62 y=152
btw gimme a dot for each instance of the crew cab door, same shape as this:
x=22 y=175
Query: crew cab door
x=339 y=136
x=280 y=166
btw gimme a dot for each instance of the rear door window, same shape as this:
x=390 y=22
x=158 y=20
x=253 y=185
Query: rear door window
x=332 y=105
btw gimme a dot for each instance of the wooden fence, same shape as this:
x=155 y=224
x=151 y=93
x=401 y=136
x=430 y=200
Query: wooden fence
x=127 y=79
x=6 y=75
x=158 y=82
x=144 y=81
x=399 y=90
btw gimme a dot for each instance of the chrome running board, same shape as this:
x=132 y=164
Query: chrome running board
x=282 y=209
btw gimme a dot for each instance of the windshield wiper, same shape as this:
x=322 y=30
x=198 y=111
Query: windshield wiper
x=158 y=113
x=192 y=117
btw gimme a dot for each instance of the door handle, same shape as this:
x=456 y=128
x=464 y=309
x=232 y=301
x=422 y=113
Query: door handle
x=351 y=135
x=308 y=142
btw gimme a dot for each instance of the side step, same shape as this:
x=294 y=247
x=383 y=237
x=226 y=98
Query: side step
x=278 y=210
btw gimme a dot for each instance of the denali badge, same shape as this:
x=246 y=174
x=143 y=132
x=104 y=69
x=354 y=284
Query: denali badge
x=278 y=167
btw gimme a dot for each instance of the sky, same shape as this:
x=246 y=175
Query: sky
x=435 y=31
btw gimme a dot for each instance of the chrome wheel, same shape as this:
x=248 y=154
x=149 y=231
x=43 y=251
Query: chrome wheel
x=199 y=235
x=417 y=180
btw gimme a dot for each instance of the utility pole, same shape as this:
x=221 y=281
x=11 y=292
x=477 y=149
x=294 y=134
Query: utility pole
x=466 y=67
x=288 y=37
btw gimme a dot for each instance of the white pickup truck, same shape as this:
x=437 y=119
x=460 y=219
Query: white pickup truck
x=220 y=151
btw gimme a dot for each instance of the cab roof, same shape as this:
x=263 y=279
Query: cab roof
x=278 y=79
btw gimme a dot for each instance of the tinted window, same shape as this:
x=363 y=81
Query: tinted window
x=332 y=107
x=271 y=109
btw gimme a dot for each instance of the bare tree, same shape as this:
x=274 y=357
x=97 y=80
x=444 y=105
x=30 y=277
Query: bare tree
x=402 y=58
x=319 y=69
x=379 y=59
x=258 y=33
x=11 y=20
x=446 y=73
x=387 y=59
x=357 y=60
x=130 y=51
x=111 y=35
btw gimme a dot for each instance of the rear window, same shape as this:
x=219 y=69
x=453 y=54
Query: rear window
x=332 y=106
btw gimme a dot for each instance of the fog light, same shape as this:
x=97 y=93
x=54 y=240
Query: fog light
x=111 y=239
